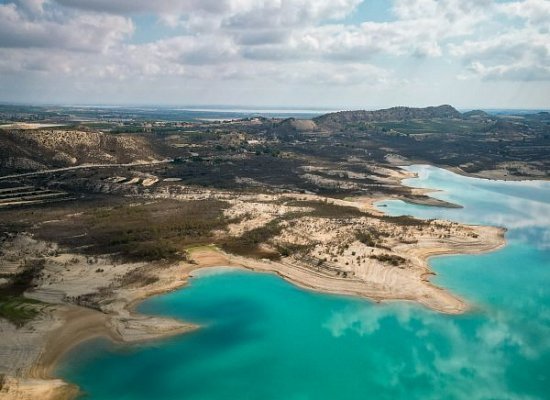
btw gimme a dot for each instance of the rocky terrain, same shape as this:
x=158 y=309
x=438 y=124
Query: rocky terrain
x=505 y=146
x=35 y=149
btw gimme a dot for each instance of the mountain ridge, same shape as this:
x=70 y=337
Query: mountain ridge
x=388 y=114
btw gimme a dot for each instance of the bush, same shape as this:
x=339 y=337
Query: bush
x=365 y=237
x=392 y=259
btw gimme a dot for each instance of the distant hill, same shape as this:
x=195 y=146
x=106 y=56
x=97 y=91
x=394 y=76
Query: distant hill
x=389 y=114
x=297 y=125
x=476 y=114
x=291 y=128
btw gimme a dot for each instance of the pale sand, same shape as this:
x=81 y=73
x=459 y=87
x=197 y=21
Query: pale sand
x=28 y=125
x=34 y=351
x=397 y=284
x=33 y=389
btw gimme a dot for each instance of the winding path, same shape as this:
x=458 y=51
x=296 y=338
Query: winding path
x=84 y=166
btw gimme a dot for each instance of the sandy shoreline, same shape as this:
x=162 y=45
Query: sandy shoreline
x=423 y=291
x=119 y=322
x=73 y=325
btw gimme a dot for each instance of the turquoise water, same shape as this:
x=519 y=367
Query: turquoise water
x=263 y=338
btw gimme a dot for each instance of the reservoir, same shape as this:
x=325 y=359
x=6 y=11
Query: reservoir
x=263 y=338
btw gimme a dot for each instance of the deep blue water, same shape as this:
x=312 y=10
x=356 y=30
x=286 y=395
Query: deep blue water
x=263 y=338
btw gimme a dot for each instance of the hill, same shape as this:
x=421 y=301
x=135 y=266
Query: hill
x=390 y=114
x=28 y=150
x=476 y=114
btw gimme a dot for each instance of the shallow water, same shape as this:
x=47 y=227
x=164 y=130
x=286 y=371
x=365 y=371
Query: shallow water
x=263 y=338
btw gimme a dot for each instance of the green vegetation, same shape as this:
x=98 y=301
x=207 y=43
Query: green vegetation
x=325 y=209
x=193 y=248
x=13 y=306
x=144 y=232
x=289 y=249
x=392 y=259
x=366 y=238
x=18 y=309
x=248 y=244
x=405 y=220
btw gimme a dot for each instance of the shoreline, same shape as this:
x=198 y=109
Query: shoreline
x=77 y=324
x=121 y=324
x=83 y=324
x=41 y=379
x=495 y=175
x=441 y=300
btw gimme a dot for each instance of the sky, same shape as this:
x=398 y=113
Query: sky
x=336 y=54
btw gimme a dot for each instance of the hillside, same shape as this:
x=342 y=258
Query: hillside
x=476 y=114
x=22 y=150
x=340 y=118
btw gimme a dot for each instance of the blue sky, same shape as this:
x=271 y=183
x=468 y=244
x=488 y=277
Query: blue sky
x=306 y=53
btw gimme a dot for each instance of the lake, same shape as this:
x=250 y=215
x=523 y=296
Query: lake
x=263 y=338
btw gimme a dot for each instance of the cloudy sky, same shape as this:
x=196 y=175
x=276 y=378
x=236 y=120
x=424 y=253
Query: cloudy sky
x=304 y=53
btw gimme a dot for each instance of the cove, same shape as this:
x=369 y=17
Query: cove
x=263 y=338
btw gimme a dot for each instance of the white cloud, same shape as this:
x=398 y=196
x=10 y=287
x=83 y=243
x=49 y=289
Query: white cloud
x=236 y=14
x=453 y=17
x=286 y=41
x=512 y=72
x=535 y=12
x=79 y=32
x=522 y=55
x=125 y=7
x=32 y=7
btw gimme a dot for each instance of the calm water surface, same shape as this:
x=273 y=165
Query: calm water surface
x=263 y=338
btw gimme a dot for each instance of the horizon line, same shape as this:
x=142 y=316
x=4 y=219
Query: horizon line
x=253 y=108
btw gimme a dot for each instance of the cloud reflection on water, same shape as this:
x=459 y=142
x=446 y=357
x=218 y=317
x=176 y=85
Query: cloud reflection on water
x=509 y=335
x=451 y=353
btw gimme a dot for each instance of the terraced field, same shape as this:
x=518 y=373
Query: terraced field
x=12 y=195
